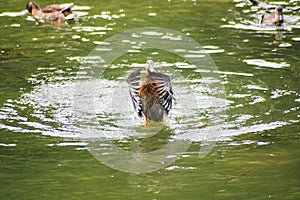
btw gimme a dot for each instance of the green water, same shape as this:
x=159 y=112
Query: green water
x=48 y=148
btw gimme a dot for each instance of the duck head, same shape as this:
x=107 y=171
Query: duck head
x=278 y=14
x=150 y=65
x=32 y=6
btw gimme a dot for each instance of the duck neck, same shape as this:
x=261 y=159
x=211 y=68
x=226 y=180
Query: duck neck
x=149 y=68
x=147 y=73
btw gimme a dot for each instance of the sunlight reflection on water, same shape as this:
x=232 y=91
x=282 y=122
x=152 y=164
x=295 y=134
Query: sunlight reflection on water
x=53 y=111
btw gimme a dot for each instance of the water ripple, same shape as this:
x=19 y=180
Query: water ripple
x=84 y=108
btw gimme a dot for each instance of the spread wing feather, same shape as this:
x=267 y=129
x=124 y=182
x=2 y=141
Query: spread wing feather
x=133 y=81
x=162 y=85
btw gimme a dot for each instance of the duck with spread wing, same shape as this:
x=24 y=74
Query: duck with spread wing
x=153 y=97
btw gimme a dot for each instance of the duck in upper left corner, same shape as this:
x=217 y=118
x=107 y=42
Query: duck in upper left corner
x=56 y=13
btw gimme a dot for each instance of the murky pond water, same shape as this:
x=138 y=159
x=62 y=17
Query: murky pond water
x=67 y=125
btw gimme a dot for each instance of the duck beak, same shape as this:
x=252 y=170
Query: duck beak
x=281 y=17
x=150 y=67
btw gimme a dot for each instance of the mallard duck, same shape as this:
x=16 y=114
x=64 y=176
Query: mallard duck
x=274 y=18
x=51 y=12
x=153 y=98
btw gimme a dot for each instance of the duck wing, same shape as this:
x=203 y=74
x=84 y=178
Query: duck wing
x=51 y=8
x=58 y=8
x=163 y=87
x=66 y=8
x=133 y=81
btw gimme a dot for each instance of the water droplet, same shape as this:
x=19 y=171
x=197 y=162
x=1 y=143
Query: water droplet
x=75 y=37
x=152 y=14
x=50 y=51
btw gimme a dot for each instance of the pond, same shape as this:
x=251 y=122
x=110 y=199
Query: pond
x=68 y=129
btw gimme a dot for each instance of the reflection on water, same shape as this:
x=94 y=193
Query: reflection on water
x=50 y=109
x=263 y=63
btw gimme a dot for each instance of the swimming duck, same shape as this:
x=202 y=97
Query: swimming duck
x=153 y=98
x=51 y=12
x=274 y=18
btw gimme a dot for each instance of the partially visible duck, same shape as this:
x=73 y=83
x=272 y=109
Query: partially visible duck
x=274 y=18
x=153 y=98
x=52 y=12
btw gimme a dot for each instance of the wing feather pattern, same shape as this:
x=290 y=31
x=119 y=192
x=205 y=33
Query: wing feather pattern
x=133 y=81
x=162 y=85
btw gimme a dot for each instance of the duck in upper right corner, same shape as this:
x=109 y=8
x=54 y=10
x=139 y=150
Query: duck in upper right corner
x=272 y=18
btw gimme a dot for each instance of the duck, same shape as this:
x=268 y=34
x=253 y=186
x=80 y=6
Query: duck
x=50 y=13
x=154 y=96
x=273 y=18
